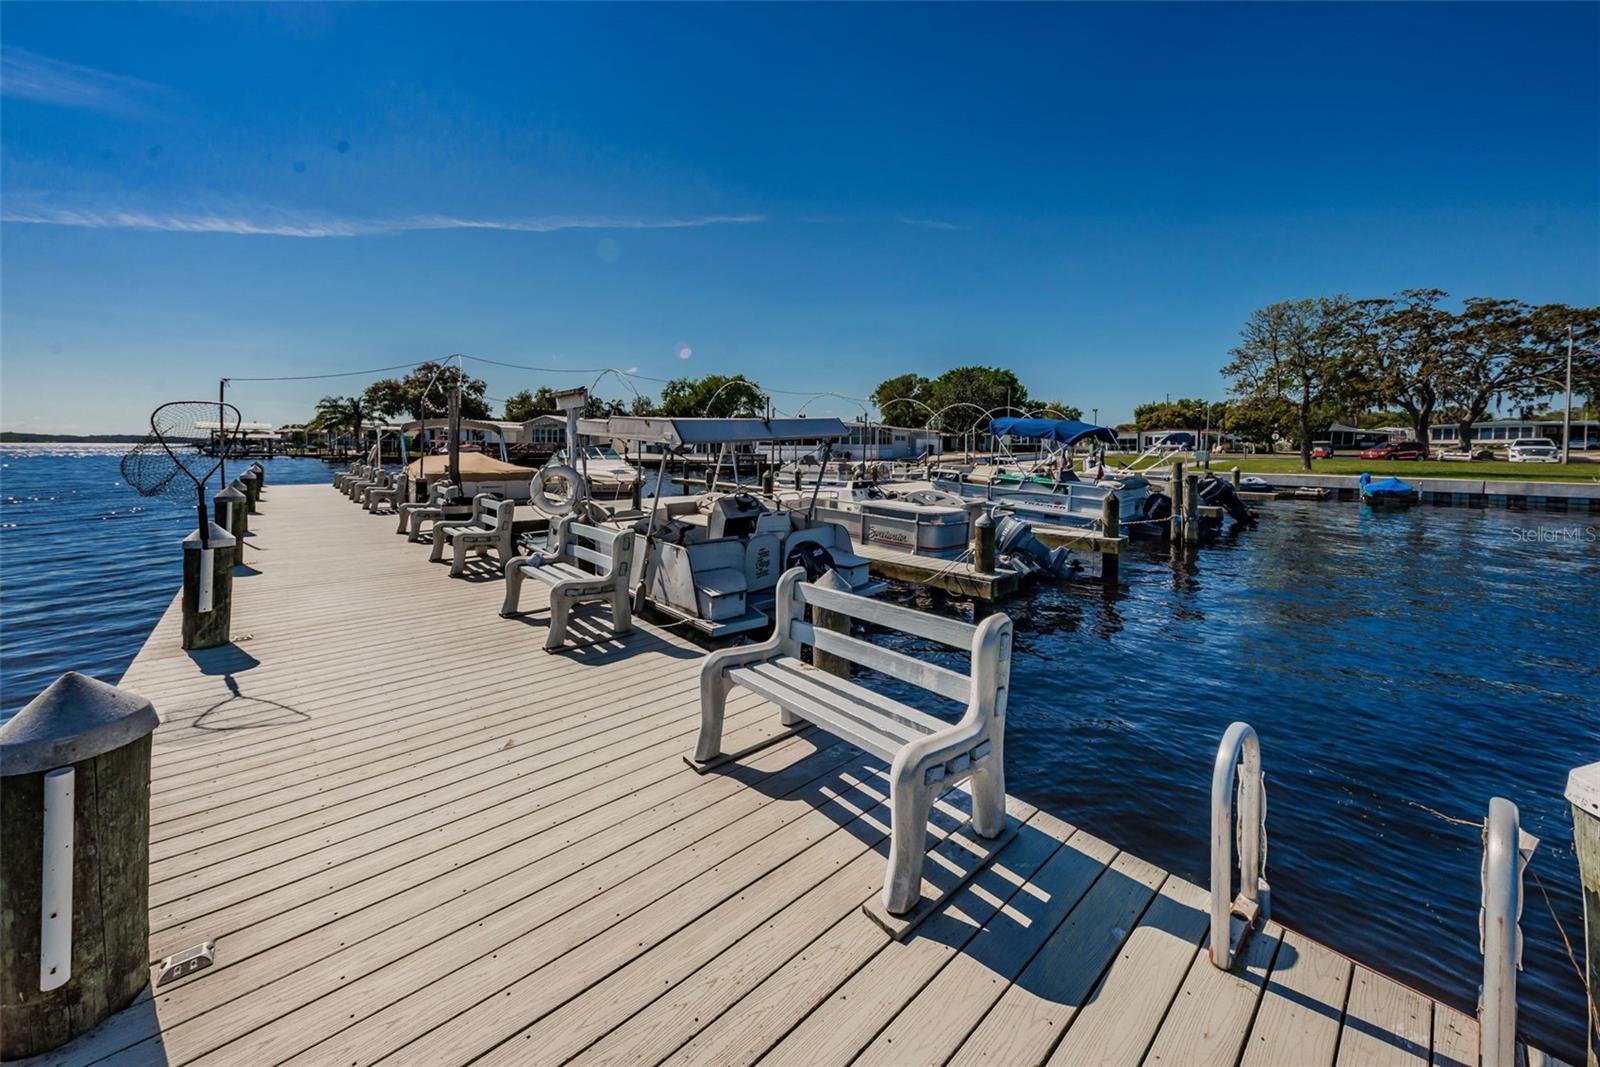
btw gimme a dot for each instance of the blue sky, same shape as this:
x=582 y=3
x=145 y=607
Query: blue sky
x=820 y=197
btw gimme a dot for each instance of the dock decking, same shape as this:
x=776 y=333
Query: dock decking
x=415 y=837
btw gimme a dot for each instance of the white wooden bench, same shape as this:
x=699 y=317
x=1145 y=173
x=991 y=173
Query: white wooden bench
x=487 y=529
x=927 y=755
x=573 y=546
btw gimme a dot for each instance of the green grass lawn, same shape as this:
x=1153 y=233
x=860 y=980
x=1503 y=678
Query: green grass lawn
x=1577 y=471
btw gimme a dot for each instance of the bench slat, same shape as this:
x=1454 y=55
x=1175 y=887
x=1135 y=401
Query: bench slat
x=589 y=555
x=880 y=735
x=551 y=573
x=931 y=676
x=886 y=713
x=945 y=631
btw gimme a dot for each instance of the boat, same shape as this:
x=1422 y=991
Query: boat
x=930 y=523
x=1390 y=492
x=609 y=476
x=1048 y=490
x=712 y=560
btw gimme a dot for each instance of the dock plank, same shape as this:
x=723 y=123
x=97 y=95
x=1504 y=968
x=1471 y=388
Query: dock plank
x=1302 y=1006
x=1385 y=1023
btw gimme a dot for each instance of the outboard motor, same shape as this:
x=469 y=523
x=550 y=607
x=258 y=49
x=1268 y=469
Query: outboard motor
x=814 y=558
x=1157 y=507
x=1218 y=493
x=1015 y=538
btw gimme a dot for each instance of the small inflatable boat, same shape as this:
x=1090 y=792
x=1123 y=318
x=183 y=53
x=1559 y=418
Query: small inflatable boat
x=1391 y=492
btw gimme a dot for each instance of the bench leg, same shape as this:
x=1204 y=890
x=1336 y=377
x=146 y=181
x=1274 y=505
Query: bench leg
x=713 y=701
x=458 y=558
x=438 y=544
x=909 y=804
x=621 y=608
x=400 y=526
x=988 y=785
x=560 y=608
x=514 y=580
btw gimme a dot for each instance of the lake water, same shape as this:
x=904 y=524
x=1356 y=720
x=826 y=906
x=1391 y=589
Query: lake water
x=1391 y=663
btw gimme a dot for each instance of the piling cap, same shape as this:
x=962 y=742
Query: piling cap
x=216 y=537
x=1583 y=788
x=230 y=493
x=250 y=476
x=77 y=718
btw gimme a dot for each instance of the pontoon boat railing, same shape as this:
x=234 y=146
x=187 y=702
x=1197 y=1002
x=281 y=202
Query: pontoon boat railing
x=1239 y=748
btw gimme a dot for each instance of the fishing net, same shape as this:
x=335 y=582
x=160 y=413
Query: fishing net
x=188 y=442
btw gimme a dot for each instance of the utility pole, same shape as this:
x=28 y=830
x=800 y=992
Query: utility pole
x=1095 y=415
x=1566 y=419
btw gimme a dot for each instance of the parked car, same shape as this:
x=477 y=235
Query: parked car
x=1533 y=450
x=1321 y=449
x=1474 y=454
x=1396 y=450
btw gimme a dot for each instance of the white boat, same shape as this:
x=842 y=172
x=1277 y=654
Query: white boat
x=608 y=475
x=931 y=523
x=712 y=560
x=1047 y=490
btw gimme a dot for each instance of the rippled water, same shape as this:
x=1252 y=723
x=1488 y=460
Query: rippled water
x=1391 y=663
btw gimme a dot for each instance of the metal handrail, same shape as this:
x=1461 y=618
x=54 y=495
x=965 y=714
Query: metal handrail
x=1239 y=748
x=1506 y=851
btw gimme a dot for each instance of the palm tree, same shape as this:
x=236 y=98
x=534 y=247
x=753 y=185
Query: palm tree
x=340 y=413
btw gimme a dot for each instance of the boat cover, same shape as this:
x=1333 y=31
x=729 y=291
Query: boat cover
x=1387 y=487
x=474 y=467
x=1066 y=431
x=676 y=433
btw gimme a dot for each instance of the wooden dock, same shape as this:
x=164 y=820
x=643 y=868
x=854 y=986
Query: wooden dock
x=415 y=837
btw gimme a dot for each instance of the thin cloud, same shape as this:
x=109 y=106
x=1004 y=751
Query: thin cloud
x=928 y=224
x=281 y=224
x=29 y=76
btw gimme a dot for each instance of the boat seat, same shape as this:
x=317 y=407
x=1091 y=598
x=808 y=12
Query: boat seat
x=720 y=592
x=575 y=546
x=927 y=755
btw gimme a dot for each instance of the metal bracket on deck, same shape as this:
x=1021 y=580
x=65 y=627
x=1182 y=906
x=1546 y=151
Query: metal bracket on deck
x=183 y=964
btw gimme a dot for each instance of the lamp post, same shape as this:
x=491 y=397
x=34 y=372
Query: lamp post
x=1566 y=418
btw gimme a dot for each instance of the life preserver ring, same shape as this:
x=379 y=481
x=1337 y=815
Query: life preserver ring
x=541 y=499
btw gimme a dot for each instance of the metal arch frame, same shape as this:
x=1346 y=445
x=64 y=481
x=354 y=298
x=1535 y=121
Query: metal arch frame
x=754 y=387
x=1239 y=748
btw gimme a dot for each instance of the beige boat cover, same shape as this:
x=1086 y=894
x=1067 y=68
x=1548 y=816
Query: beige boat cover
x=475 y=467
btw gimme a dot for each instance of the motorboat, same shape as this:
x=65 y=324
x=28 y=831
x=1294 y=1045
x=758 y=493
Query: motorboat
x=1048 y=490
x=608 y=475
x=1386 y=493
x=712 y=560
x=929 y=523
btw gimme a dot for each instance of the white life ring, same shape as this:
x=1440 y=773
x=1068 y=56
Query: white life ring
x=541 y=499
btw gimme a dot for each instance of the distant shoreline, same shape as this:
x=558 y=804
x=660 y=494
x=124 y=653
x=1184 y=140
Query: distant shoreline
x=13 y=437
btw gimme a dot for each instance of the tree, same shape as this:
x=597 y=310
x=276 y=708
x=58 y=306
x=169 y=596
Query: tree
x=340 y=414
x=425 y=392
x=1182 y=414
x=1056 y=411
x=980 y=392
x=524 y=405
x=1399 y=348
x=894 y=400
x=714 y=396
x=1293 y=352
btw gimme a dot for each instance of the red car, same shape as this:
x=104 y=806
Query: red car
x=1321 y=450
x=1397 y=450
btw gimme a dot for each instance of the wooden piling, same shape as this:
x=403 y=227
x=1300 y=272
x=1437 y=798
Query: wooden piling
x=1176 y=485
x=103 y=735
x=1234 y=475
x=208 y=629
x=983 y=547
x=1111 y=526
x=823 y=619
x=1191 y=508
